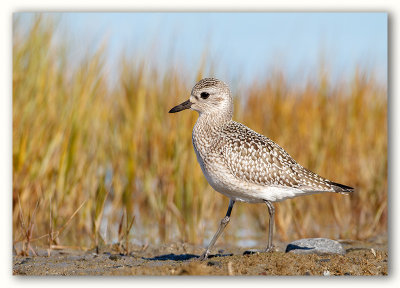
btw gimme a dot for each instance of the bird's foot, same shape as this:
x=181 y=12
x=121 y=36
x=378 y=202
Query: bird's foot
x=204 y=256
x=270 y=249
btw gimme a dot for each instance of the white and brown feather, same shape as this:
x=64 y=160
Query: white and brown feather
x=243 y=164
x=255 y=158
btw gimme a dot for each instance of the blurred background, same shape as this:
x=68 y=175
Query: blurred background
x=98 y=159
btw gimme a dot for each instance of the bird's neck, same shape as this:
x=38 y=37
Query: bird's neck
x=213 y=121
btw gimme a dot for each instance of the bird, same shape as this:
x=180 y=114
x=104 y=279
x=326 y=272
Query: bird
x=242 y=164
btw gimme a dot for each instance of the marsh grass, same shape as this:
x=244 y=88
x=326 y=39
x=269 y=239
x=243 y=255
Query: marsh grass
x=82 y=148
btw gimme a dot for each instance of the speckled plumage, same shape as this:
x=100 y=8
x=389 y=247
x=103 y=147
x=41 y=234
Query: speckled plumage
x=241 y=163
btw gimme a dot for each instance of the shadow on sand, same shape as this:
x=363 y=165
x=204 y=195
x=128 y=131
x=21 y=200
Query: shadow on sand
x=181 y=257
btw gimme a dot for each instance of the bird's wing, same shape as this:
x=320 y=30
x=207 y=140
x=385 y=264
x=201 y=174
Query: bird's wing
x=254 y=158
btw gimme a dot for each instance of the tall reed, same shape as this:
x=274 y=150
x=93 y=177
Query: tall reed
x=79 y=142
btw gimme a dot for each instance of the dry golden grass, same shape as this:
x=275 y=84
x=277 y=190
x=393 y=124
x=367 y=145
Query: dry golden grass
x=85 y=152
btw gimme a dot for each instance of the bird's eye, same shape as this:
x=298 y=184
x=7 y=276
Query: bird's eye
x=204 y=95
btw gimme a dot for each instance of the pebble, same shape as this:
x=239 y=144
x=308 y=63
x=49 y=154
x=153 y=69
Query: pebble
x=214 y=263
x=315 y=246
x=115 y=257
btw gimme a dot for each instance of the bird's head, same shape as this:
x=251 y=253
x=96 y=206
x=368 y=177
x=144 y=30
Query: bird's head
x=209 y=96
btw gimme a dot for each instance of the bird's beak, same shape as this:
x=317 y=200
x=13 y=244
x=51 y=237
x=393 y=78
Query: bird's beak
x=182 y=106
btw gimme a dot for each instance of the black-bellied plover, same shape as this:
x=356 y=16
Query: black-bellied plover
x=241 y=163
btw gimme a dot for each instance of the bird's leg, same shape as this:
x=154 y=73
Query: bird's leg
x=270 y=247
x=221 y=228
x=271 y=211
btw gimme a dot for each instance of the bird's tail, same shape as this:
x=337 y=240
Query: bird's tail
x=340 y=188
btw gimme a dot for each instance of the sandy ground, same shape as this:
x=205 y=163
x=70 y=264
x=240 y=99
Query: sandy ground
x=362 y=258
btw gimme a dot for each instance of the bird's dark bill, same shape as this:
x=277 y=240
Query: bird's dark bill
x=180 y=107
